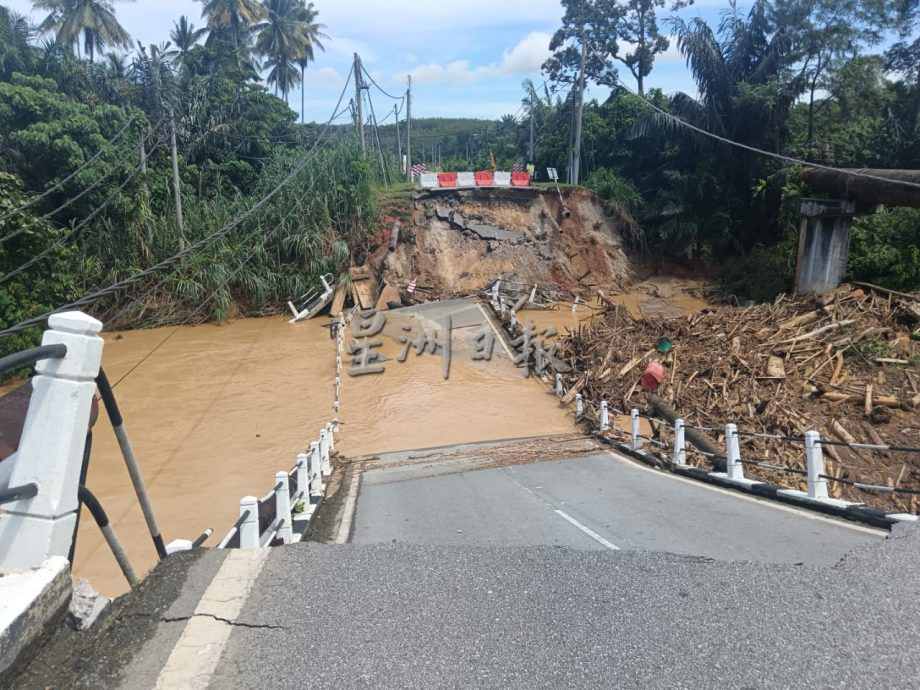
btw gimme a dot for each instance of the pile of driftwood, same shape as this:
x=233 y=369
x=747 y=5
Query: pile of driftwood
x=846 y=364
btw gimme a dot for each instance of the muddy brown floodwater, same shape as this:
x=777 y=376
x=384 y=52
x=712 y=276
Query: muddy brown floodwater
x=218 y=410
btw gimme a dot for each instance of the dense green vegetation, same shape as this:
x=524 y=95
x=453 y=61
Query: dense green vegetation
x=829 y=81
x=77 y=214
x=268 y=203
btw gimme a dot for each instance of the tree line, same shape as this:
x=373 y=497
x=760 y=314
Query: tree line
x=835 y=82
x=87 y=184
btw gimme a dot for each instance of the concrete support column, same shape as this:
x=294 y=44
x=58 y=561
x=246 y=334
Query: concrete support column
x=579 y=406
x=560 y=388
x=51 y=447
x=605 y=416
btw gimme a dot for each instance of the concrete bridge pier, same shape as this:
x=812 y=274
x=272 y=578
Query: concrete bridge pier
x=824 y=244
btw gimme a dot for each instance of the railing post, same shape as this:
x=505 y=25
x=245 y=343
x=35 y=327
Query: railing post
x=51 y=446
x=605 y=416
x=249 y=527
x=635 y=429
x=817 y=485
x=680 y=443
x=560 y=387
x=733 y=467
x=317 y=487
x=283 y=507
x=324 y=453
x=330 y=436
x=303 y=476
x=579 y=406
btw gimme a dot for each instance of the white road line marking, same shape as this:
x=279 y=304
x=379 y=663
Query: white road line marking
x=590 y=532
x=194 y=659
x=348 y=514
x=766 y=502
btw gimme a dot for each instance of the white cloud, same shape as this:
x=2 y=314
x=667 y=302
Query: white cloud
x=325 y=76
x=527 y=56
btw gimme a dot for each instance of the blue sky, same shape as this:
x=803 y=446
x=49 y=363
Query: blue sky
x=468 y=58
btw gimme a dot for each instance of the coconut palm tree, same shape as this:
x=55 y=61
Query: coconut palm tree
x=185 y=36
x=313 y=32
x=91 y=22
x=281 y=39
x=16 y=53
x=232 y=18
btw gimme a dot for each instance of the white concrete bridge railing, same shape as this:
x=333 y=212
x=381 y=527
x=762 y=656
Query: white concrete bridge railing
x=50 y=454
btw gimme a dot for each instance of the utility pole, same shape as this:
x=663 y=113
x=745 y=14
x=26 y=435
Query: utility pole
x=576 y=153
x=359 y=103
x=145 y=190
x=409 y=130
x=399 y=156
x=530 y=159
x=177 y=190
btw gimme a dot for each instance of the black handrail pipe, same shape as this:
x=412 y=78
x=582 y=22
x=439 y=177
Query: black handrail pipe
x=27 y=358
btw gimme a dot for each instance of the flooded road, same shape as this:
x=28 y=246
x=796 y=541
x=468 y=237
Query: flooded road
x=218 y=410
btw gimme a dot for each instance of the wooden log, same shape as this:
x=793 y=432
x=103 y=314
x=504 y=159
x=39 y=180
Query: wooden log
x=697 y=438
x=606 y=300
x=884 y=400
x=804 y=319
x=868 y=400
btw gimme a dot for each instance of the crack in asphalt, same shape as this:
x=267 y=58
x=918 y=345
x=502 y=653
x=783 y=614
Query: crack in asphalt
x=237 y=624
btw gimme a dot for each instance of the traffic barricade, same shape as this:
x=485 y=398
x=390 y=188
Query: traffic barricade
x=485 y=178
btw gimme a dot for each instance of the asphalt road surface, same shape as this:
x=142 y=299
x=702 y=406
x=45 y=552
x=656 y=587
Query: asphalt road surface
x=597 y=501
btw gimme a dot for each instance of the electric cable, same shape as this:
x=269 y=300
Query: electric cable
x=9 y=214
x=205 y=242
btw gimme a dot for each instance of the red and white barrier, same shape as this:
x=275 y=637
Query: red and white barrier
x=485 y=178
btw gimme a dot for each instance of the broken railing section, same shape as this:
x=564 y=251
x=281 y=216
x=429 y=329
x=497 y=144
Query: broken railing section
x=728 y=461
x=282 y=515
x=312 y=302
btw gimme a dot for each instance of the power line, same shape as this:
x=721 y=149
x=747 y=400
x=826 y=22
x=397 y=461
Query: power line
x=86 y=164
x=769 y=154
x=380 y=88
x=210 y=297
x=60 y=242
x=70 y=201
x=192 y=248
x=166 y=278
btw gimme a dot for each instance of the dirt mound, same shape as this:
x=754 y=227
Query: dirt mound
x=846 y=364
x=458 y=242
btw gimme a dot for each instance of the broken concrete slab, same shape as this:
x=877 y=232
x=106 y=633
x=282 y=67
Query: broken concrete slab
x=442 y=212
x=490 y=232
x=31 y=601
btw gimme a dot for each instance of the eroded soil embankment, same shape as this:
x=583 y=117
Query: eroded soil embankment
x=455 y=243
